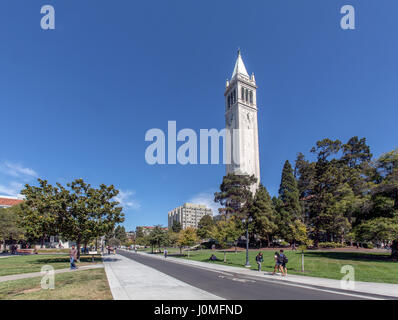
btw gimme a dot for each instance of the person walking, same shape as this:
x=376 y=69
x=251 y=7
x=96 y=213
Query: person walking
x=73 y=257
x=165 y=253
x=259 y=260
x=277 y=262
x=283 y=261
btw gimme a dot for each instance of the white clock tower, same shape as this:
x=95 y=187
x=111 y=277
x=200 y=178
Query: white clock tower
x=241 y=122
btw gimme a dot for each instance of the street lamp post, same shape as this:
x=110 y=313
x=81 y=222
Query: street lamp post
x=247 y=265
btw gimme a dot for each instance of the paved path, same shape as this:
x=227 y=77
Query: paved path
x=130 y=280
x=39 y=274
x=372 y=288
x=240 y=283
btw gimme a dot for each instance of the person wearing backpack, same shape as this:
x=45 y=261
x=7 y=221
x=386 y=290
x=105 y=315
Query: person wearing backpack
x=284 y=260
x=259 y=260
x=278 y=263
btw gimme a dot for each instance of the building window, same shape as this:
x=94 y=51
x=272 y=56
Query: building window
x=251 y=96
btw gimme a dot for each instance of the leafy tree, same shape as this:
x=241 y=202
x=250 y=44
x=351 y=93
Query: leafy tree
x=380 y=212
x=9 y=228
x=143 y=241
x=187 y=237
x=158 y=237
x=172 y=237
x=120 y=233
x=225 y=232
x=205 y=226
x=77 y=212
x=139 y=232
x=114 y=242
x=176 y=227
x=39 y=214
x=378 y=229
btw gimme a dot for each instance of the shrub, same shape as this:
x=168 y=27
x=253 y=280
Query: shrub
x=368 y=245
x=284 y=244
x=331 y=245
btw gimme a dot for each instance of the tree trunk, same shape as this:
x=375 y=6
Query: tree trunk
x=394 y=249
x=225 y=256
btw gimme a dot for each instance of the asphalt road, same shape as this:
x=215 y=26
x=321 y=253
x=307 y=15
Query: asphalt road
x=232 y=286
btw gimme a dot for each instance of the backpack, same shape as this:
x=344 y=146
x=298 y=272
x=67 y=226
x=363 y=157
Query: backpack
x=285 y=259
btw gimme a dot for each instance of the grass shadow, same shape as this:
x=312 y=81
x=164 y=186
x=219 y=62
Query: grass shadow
x=354 y=256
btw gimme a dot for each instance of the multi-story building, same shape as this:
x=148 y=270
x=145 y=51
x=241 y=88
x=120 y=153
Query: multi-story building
x=188 y=215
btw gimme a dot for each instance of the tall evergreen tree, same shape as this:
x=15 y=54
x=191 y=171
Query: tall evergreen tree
x=289 y=193
x=235 y=195
x=264 y=215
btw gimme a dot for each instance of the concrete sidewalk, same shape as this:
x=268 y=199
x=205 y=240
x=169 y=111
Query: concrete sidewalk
x=39 y=274
x=130 y=280
x=384 y=289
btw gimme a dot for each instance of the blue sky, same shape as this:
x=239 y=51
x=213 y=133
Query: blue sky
x=77 y=101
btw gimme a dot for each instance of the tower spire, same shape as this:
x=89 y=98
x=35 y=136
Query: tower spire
x=239 y=66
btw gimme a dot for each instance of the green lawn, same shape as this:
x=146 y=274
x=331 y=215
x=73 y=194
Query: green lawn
x=371 y=267
x=34 y=262
x=76 y=285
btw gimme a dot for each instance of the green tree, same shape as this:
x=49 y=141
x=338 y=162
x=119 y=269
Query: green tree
x=158 y=237
x=328 y=178
x=176 y=227
x=172 y=237
x=264 y=215
x=39 y=214
x=120 y=233
x=205 y=226
x=114 y=242
x=187 y=237
x=139 y=233
x=289 y=193
x=225 y=233
x=290 y=218
x=77 y=212
x=235 y=195
x=380 y=213
x=378 y=229
x=9 y=228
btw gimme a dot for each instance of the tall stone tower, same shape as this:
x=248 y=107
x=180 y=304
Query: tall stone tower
x=241 y=122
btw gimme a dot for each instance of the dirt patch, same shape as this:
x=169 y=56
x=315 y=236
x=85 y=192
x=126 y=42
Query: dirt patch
x=31 y=290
